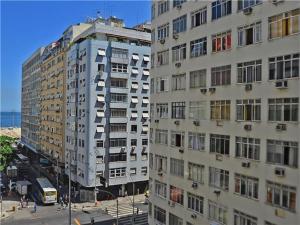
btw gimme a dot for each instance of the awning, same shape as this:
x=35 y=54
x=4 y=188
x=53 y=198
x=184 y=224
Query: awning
x=134 y=115
x=145 y=101
x=100 y=98
x=146 y=72
x=134 y=71
x=100 y=129
x=145 y=115
x=145 y=128
x=135 y=57
x=100 y=113
x=134 y=86
x=146 y=86
x=101 y=83
x=134 y=100
x=146 y=58
x=101 y=52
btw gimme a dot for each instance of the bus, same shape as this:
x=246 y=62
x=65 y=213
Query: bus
x=46 y=193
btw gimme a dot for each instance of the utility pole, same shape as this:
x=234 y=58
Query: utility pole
x=133 y=217
x=95 y=190
x=70 y=223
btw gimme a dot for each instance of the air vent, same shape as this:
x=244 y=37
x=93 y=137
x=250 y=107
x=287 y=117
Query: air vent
x=196 y=123
x=178 y=64
x=194 y=184
x=171 y=203
x=194 y=216
x=279 y=172
x=162 y=41
x=203 y=90
x=212 y=90
x=219 y=157
x=175 y=36
x=275 y=2
x=178 y=7
x=248 y=127
x=281 y=127
x=248 y=87
x=156 y=121
x=247 y=11
x=176 y=122
x=281 y=84
x=246 y=164
x=181 y=150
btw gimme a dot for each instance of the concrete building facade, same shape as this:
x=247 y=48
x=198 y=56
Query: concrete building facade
x=107 y=109
x=224 y=133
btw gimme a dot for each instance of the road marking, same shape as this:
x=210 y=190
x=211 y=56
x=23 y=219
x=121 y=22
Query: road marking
x=77 y=221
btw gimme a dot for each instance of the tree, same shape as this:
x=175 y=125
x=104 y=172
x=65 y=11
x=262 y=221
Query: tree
x=6 y=151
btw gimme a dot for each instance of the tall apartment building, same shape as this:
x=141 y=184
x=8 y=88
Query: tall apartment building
x=53 y=95
x=107 y=110
x=30 y=106
x=224 y=134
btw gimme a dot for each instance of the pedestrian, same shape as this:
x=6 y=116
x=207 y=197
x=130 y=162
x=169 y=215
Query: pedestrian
x=137 y=211
x=34 y=207
x=21 y=202
x=66 y=201
x=27 y=202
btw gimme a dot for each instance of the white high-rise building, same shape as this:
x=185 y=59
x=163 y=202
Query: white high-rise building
x=224 y=137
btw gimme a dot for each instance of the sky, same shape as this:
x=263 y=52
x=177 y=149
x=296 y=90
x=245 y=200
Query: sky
x=28 y=25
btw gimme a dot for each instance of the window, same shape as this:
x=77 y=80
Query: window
x=241 y=218
x=117 y=172
x=220 y=8
x=118 y=83
x=249 y=72
x=118 y=97
x=217 y=212
x=160 y=189
x=220 y=110
x=153 y=11
x=176 y=194
x=161 y=163
x=163 y=58
x=175 y=220
x=221 y=41
x=220 y=75
x=144 y=170
x=163 y=6
x=178 y=82
x=198 y=47
x=159 y=214
x=196 y=141
x=284 y=24
x=99 y=144
x=119 y=67
x=196 y=172
x=197 y=110
x=134 y=128
x=162 y=84
x=248 y=109
x=133 y=142
x=198 y=17
x=152 y=81
x=114 y=112
x=178 y=52
x=280 y=195
x=144 y=141
x=246 y=186
x=162 y=110
x=119 y=53
x=219 y=144
x=283 y=67
x=198 y=78
x=283 y=109
x=118 y=127
x=219 y=178
x=178 y=2
x=244 y=4
x=117 y=157
x=195 y=203
x=284 y=153
x=178 y=110
x=152 y=36
x=161 y=137
x=247 y=148
x=177 y=139
x=177 y=167
x=132 y=171
x=118 y=142
x=249 y=34
x=179 y=24
x=163 y=31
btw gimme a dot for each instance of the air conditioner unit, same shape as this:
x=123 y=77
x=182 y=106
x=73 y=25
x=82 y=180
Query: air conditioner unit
x=217 y=192
x=100 y=73
x=275 y=2
x=246 y=164
x=175 y=36
x=176 y=122
x=160 y=172
x=248 y=127
x=279 y=172
x=181 y=150
x=281 y=84
x=203 y=90
x=194 y=216
x=247 y=11
x=178 y=7
x=281 y=127
x=132 y=148
x=196 y=123
x=178 y=64
x=280 y=213
x=156 y=121
x=194 y=184
x=212 y=90
x=248 y=87
x=219 y=157
x=219 y=123
x=123 y=149
x=171 y=203
x=162 y=41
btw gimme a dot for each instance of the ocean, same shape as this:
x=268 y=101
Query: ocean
x=10 y=119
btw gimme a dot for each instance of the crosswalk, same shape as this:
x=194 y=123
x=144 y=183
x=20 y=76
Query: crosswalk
x=140 y=219
x=124 y=210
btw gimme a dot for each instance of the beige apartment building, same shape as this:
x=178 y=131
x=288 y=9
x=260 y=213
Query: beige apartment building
x=224 y=137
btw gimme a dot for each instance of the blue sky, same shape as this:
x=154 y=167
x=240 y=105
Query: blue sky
x=25 y=26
